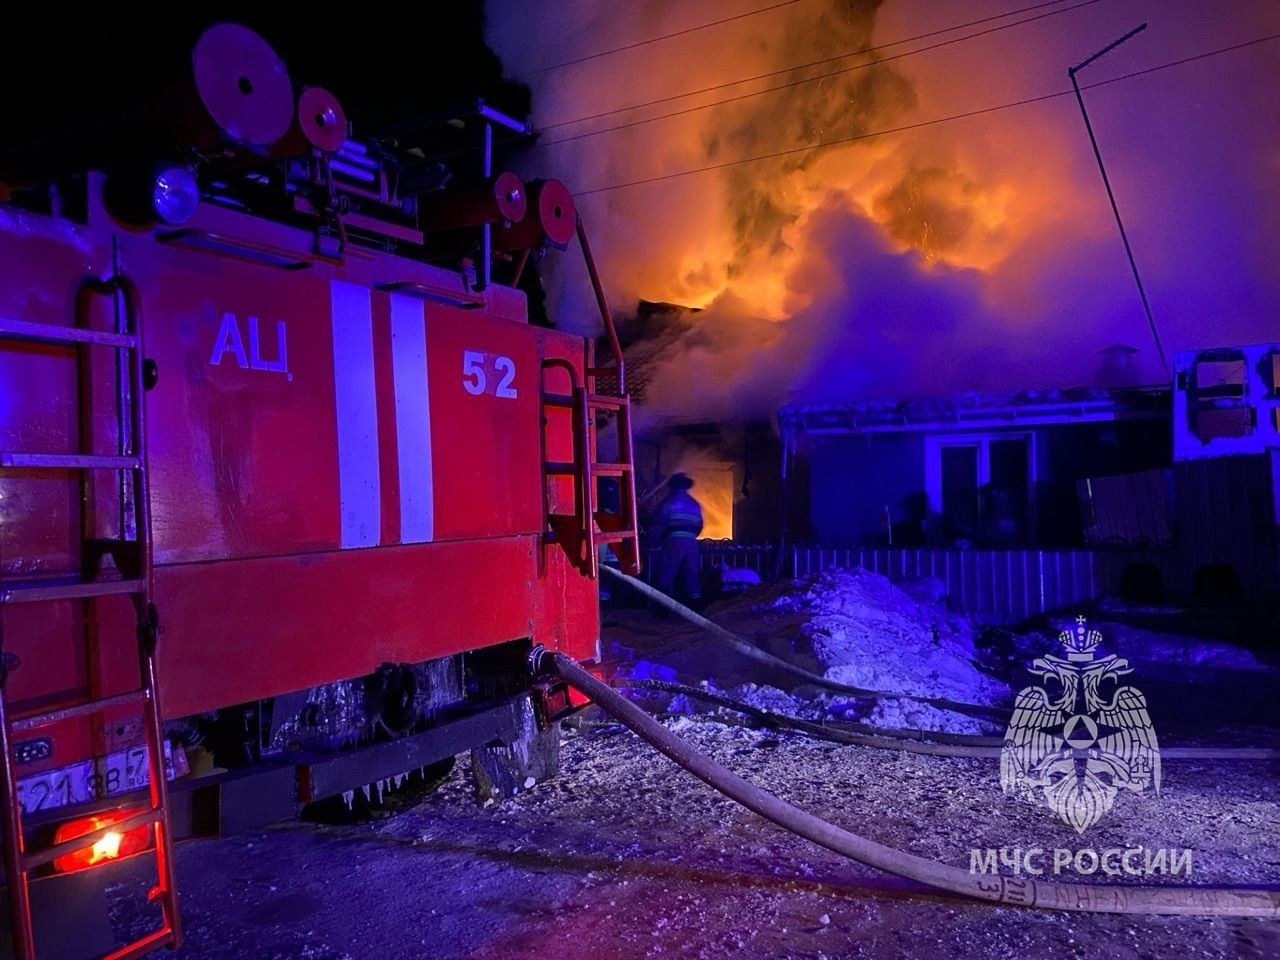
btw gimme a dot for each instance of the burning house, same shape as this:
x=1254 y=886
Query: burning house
x=979 y=470
x=734 y=462
x=1160 y=494
x=836 y=238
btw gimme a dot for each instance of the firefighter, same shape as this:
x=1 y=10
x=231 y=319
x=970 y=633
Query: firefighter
x=678 y=521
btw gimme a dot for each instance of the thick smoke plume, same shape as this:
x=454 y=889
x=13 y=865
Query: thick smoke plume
x=970 y=255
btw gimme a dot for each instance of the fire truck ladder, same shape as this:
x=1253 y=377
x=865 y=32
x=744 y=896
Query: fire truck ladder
x=133 y=559
x=583 y=531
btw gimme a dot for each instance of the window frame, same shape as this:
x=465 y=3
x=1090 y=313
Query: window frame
x=934 y=445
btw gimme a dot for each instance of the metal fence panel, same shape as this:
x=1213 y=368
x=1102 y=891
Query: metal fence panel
x=989 y=586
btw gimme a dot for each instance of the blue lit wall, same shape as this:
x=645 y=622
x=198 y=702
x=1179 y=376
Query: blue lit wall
x=853 y=478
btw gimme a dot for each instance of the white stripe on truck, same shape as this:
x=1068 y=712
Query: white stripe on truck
x=413 y=420
x=355 y=391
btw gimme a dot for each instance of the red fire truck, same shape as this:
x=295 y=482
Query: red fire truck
x=290 y=488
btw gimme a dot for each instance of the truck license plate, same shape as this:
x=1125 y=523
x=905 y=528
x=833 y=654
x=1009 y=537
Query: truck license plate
x=118 y=772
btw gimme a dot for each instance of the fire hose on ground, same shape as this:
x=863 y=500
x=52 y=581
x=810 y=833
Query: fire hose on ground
x=753 y=652
x=1016 y=891
x=994 y=888
x=928 y=742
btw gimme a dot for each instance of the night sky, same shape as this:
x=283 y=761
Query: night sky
x=978 y=253
x=66 y=61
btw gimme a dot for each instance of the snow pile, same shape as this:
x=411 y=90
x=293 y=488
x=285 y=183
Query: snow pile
x=680 y=724
x=912 y=715
x=867 y=632
x=861 y=629
x=765 y=697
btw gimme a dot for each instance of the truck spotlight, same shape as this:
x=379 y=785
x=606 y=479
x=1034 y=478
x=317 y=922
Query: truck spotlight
x=174 y=195
x=140 y=197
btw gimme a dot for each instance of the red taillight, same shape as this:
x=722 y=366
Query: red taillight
x=598 y=670
x=113 y=845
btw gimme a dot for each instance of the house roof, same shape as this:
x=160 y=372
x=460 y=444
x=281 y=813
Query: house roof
x=968 y=411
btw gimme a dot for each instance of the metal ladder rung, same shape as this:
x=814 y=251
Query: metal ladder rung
x=140 y=948
x=48 y=333
x=78 y=710
x=68 y=461
x=597 y=400
x=604 y=401
x=564 y=468
x=130 y=409
x=611 y=469
x=40 y=591
x=557 y=400
x=49 y=854
x=615 y=536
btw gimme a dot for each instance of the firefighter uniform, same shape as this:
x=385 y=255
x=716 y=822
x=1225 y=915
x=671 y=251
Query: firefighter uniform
x=678 y=521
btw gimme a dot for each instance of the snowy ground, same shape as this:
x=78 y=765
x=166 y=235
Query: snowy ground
x=623 y=855
x=854 y=627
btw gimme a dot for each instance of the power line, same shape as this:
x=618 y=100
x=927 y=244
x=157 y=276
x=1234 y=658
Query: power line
x=798 y=66
x=1106 y=181
x=928 y=123
x=732 y=83
x=821 y=76
x=666 y=36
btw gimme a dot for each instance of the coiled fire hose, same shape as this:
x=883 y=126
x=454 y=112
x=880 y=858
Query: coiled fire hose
x=995 y=888
x=750 y=650
x=929 y=742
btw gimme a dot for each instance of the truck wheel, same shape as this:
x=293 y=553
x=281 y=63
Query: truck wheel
x=500 y=770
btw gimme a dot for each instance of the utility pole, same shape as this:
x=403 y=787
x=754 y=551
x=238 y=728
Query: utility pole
x=1106 y=181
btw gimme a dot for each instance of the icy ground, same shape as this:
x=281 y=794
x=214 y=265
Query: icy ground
x=625 y=856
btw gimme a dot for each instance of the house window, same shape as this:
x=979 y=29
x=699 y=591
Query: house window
x=961 y=480
x=1219 y=407
x=1222 y=377
x=980 y=489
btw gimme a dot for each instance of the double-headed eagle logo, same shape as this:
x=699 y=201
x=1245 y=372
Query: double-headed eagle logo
x=1079 y=749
